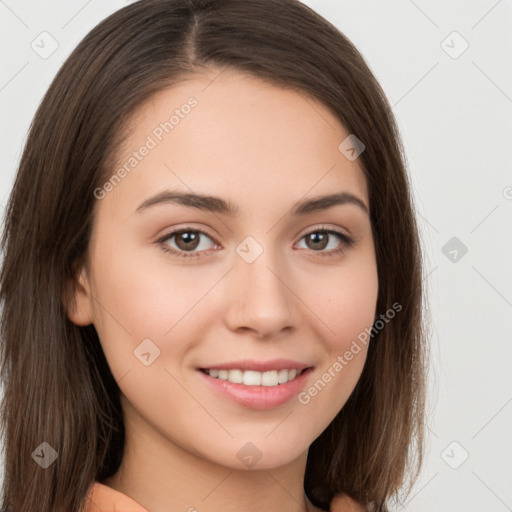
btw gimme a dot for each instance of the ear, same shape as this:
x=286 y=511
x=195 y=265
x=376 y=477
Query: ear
x=79 y=301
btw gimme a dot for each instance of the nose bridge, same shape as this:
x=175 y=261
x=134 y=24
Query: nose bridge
x=261 y=300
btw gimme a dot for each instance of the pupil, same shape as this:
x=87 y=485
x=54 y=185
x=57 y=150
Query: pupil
x=318 y=238
x=189 y=240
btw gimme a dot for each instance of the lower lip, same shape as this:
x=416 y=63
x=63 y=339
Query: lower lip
x=258 y=397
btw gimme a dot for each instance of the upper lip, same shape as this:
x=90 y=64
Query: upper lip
x=259 y=366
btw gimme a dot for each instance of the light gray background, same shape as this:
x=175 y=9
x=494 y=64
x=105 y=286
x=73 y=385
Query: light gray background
x=455 y=115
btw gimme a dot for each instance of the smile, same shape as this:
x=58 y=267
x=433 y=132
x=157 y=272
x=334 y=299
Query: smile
x=255 y=378
x=257 y=384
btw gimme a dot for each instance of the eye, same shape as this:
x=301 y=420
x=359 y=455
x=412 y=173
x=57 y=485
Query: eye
x=187 y=240
x=321 y=238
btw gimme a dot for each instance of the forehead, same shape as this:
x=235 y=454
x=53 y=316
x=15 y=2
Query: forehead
x=232 y=135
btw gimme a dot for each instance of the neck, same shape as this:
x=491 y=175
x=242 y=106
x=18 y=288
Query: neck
x=162 y=476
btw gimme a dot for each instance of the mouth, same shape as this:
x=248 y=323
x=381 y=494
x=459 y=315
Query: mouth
x=257 y=385
x=255 y=378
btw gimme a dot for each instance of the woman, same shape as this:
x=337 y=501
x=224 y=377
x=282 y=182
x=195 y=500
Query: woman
x=211 y=284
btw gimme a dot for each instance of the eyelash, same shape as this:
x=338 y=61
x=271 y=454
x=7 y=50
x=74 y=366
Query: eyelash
x=346 y=242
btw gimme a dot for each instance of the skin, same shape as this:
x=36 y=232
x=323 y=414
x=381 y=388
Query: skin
x=263 y=148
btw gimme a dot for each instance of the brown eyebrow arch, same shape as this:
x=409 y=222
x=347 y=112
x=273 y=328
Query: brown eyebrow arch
x=217 y=205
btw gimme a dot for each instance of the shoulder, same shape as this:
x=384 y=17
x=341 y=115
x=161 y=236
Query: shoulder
x=340 y=503
x=343 y=503
x=101 y=497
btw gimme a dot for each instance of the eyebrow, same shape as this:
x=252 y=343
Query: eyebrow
x=217 y=205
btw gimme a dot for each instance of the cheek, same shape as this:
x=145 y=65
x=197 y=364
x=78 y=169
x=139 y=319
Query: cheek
x=138 y=298
x=137 y=294
x=348 y=310
x=348 y=306
x=353 y=309
x=349 y=313
x=131 y=303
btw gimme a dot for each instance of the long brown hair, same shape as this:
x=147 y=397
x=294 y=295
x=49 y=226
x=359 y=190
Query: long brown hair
x=58 y=387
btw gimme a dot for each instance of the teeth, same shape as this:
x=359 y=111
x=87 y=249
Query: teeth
x=283 y=376
x=252 y=378
x=236 y=376
x=269 y=378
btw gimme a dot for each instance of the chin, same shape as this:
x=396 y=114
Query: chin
x=259 y=455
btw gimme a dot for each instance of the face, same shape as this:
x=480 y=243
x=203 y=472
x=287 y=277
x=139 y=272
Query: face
x=264 y=286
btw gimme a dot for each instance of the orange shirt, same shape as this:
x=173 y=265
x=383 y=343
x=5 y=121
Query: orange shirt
x=105 y=499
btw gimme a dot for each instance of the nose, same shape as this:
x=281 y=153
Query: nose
x=261 y=298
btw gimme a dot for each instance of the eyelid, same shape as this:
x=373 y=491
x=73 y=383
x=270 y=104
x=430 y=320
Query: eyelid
x=325 y=227
x=186 y=228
